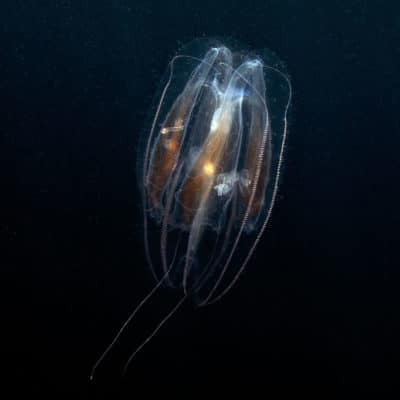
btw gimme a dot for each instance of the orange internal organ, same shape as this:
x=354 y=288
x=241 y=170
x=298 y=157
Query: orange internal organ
x=165 y=154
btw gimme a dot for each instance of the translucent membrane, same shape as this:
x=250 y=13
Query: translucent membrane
x=211 y=166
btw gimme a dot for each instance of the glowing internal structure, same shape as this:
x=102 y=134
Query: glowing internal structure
x=211 y=168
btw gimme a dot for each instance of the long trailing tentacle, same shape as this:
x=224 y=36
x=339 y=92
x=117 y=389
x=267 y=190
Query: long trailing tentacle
x=158 y=327
x=125 y=324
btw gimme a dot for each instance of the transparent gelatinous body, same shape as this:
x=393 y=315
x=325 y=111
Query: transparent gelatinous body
x=211 y=166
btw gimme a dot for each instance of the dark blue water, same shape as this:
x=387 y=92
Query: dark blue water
x=317 y=310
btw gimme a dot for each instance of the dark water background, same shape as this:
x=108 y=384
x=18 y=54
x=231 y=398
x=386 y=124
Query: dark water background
x=317 y=310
